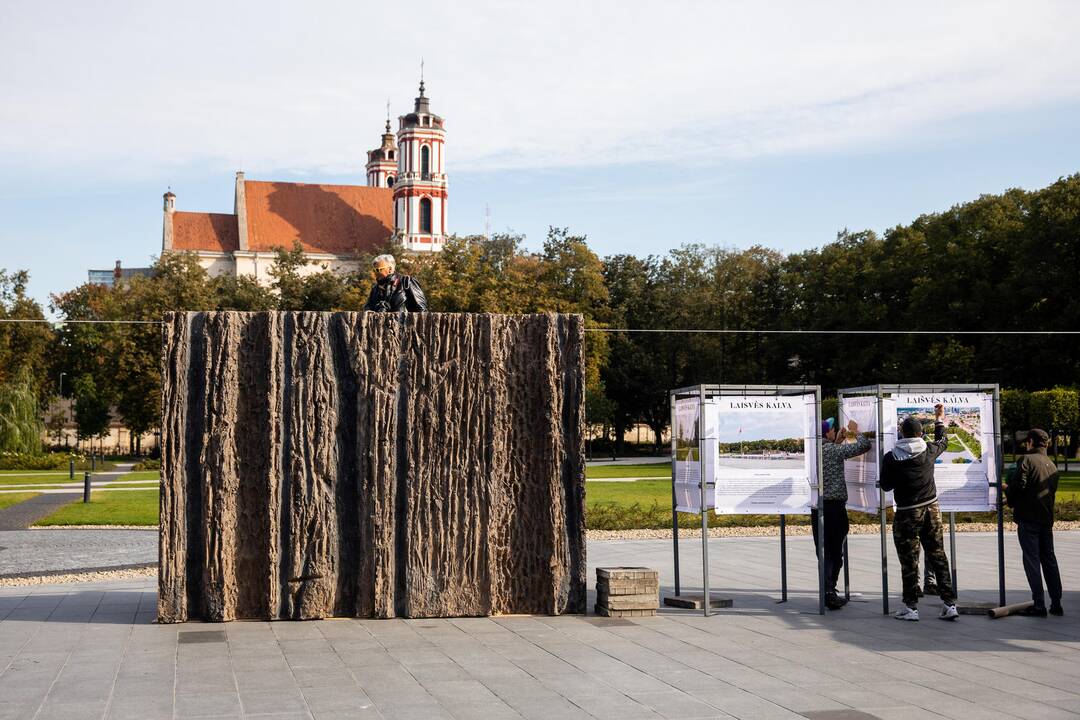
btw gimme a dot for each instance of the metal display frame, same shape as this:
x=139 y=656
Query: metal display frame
x=705 y=392
x=880 y=391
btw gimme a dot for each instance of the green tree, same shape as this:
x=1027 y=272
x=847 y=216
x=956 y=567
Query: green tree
x=25 y=345
x=20 y=414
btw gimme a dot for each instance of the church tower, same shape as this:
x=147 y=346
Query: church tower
x=420 y=187
x=382 y=161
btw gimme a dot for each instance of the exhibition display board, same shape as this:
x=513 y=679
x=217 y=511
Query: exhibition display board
x=968 y=473
x=745 y=449
x=764 y=456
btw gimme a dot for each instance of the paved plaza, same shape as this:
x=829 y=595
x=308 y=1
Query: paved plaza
x=93 y=651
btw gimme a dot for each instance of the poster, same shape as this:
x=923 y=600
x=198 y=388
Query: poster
x=763 y=455
x=963 y=473
x=688 y=464
x=861 y=472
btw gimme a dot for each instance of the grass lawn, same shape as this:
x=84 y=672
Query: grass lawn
x=8 y=499
x=660 y=470
x=610 y=506
x=647 y=504
x=136 y=507
x=23 y=478
x=152 y=477
x=1069 y=486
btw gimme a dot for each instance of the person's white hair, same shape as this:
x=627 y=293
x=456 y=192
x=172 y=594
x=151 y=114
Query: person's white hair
x=384 y=259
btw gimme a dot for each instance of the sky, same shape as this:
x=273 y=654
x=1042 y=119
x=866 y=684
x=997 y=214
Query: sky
x=750 y=425
x=644 y=126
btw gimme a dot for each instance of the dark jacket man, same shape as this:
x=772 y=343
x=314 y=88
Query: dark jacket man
x=1031 y=492
x=393 y=292
x=908 y=470
x=1032 y=486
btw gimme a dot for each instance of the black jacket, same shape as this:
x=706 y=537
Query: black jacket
x=1032 y=487
x=397 y=293
x=912 y=479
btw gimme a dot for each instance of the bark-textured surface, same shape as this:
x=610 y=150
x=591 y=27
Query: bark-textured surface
x=371 y=465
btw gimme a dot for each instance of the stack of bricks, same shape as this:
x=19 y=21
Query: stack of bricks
x=627 y=591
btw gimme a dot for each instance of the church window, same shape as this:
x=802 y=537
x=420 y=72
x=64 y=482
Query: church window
x=425 y=215
x=425 y=163
x=389 y=181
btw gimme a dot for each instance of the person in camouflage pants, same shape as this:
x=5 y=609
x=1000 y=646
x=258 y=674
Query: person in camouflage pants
x=921 y=527
x=908 y=471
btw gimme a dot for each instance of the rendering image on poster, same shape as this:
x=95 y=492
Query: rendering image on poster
x=861 y=472
x=760 y=455
x=688 y=465
x=967 y=467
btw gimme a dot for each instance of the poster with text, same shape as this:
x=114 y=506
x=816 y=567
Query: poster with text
x=763 y=459
x=861 y=472
x=963 y=473
x=689 y=467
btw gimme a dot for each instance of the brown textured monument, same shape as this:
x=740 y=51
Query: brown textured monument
x=371 y=465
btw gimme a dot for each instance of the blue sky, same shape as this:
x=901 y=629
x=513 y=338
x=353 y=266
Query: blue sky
x=643 y=127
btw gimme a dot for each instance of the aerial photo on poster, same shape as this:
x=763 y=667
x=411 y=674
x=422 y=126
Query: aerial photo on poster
x=965 y=471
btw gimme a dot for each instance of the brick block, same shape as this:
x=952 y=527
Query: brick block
x=611 y=612
x=627 y=573
x=645 y=601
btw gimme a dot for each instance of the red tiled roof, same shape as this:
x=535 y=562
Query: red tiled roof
x=215 y=232
x=333 y=219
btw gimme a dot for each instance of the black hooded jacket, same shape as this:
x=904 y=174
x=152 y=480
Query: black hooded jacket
x=912 y=479
x=395 y=293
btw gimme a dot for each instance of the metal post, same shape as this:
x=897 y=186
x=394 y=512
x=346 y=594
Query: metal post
x=952 y=551
x=71 y=469
x=847 y=578
x=1000 y=494
x=706 y=601
x=881 y=507
x=783 y=558
x=86 y=487
x=674 y=504
x=820 y=501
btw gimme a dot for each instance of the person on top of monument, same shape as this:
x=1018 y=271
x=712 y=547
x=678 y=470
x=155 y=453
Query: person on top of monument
x=908 y=471
x=833 y=454
x=393 y=292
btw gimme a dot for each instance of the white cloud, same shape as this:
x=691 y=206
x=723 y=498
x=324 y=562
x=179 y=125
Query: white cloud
x=137 y=89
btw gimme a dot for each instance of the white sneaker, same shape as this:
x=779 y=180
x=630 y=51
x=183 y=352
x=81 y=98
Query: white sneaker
x=907 y=614
x=948 y=612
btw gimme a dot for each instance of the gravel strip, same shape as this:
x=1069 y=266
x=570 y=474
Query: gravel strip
x=774 y=530
x=95 y=527
x=136 y=573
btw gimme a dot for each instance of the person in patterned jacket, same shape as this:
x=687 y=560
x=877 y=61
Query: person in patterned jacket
x=834 y=451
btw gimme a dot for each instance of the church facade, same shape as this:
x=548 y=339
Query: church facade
x=405 y=198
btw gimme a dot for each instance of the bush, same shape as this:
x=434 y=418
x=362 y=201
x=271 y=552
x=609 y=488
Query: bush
x=148 y=464
x=47 y=461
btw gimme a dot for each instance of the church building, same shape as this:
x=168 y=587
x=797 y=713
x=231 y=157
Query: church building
x=405 y=198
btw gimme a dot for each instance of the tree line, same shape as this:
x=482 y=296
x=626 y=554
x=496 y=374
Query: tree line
x=1000 y=262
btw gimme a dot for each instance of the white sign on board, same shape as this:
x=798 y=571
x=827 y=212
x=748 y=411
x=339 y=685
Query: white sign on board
x=764 y=455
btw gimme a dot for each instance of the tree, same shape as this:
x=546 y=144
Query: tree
x=1057 y=411
x=20 y=416
x=91 y=407
x=24 y=345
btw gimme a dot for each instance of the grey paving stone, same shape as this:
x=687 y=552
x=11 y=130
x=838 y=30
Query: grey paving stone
x=207 y=704
x=758 y=660
x=267 y=701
